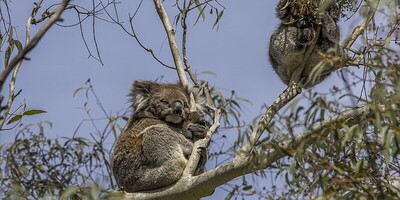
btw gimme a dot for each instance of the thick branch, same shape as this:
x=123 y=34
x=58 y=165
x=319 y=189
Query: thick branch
x=244 y=165
x=194 y=187
x=204 y=184
x=172 y=41
x=21 y=55
x=284 y=98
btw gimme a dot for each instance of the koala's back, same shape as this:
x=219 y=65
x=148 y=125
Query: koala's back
x=289 y=44
x=144 y=159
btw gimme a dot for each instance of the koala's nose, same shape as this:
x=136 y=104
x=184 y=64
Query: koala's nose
x=178 y=107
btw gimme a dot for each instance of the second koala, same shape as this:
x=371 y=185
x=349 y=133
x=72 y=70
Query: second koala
x=288 y=44
x=153 y=150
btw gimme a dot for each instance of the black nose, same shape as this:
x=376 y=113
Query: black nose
x=178 y=107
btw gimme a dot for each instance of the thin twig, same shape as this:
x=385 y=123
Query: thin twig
x=12 y=96
x=35 y=40
x=172 y=42
x=360 y=28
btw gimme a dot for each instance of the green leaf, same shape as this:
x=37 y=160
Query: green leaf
x=14 y=119
x=359 y=165
x=33 y=112
x=77 y=90
x=70 y=192
x=201 y=14
x=247 y=187
x=230 y=195
x=18 y=44
x=201 y=10
x=25 y=113
x=218 y=18
x=10 y=35
x=7 y=56
x=208 y=73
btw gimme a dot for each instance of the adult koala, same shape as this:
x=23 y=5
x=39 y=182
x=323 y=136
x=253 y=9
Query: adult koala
x=152 y=152
x=304 y=26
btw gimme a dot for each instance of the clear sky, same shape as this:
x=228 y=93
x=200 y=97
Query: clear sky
x=236 y=52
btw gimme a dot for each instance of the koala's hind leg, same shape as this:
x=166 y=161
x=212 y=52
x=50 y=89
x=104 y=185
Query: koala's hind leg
x=286 y=54
x=157 y=177
x=166 y=155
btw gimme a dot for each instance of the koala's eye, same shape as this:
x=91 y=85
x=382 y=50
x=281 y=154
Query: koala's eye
x=185 y=105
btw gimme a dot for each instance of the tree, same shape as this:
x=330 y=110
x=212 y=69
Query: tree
x=343 y=143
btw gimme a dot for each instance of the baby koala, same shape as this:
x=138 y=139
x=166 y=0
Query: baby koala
x=296 y=33
x=152 y=152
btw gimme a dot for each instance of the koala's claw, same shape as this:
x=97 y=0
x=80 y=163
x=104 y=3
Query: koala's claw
x=202 y=151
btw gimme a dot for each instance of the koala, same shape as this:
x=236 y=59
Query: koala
x=153 y=150
x=296 y=32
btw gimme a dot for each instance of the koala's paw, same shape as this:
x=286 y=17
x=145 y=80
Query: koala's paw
x=196 y=117
x=198 y=131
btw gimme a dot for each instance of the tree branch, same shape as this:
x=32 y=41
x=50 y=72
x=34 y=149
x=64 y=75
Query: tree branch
x=21 y=55
x=284 y=98
x=172 y=42
x=195 y=156
x=259 y=161
x=194 y=187
x=360 y=28
x=12 y=95
x=203 y=184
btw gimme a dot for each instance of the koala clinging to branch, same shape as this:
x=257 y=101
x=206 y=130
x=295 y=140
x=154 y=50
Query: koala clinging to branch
x=305 y=47
x=152 y=152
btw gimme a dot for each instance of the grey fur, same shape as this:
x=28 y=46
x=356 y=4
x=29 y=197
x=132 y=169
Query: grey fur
x=289 y=43
x=154 y=149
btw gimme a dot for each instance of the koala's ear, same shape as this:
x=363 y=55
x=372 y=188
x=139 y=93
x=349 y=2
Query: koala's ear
x=282 y=10
x=141 y=92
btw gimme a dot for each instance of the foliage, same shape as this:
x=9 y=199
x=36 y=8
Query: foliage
x=355 y=158
x=34 y=166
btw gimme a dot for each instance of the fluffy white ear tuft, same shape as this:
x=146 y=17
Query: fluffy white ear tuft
x=141 y=92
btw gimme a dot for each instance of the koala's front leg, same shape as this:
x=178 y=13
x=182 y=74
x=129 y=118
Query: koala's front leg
x=330 y=30
x=198 y=131
x=196 y=126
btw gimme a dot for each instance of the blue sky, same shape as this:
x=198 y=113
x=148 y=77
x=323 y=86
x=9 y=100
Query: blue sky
x=236 y=53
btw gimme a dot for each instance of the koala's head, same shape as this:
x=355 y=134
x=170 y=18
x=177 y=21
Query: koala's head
x=290 y=12
x=167 y=102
